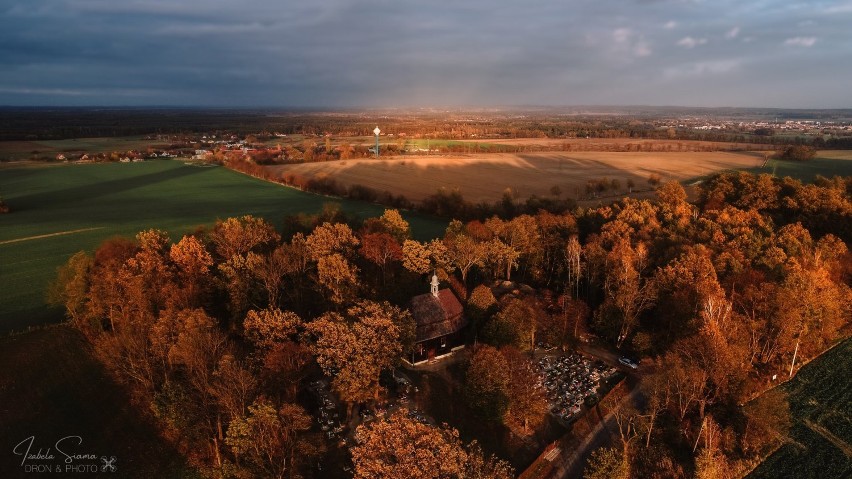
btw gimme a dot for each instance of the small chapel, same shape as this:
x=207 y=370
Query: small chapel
x=440 y=321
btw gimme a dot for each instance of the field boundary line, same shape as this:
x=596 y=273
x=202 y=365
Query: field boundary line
x=827 y=435
x=59 y=233
x=802 y=364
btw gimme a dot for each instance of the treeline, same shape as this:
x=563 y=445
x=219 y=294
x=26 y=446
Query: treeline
x=323 y=185
x=216 y=333
x=842 y=143
x=65 y=123
x=61 y=123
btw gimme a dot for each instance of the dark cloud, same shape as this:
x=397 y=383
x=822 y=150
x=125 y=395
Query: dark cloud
x=411 y=53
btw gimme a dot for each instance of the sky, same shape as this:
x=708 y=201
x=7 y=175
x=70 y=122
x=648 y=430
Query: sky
x=426 y=53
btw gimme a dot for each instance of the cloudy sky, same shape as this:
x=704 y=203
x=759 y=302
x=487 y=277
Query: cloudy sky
x=399 y=53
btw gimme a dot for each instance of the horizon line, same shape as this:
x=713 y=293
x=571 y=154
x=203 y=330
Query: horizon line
x=320 y=108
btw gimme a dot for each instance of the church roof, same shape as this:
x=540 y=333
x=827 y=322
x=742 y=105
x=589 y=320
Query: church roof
x=437 y=316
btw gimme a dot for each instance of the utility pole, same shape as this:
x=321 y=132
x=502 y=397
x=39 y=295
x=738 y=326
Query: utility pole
x=795 y=351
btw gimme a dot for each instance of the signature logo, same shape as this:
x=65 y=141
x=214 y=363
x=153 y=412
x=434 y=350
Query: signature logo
x=108 y=464
x=66 y=455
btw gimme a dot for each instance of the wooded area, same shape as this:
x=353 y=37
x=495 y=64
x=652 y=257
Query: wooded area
x=216 y=332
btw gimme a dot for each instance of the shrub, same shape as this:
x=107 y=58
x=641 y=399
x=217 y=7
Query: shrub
x=798 y=153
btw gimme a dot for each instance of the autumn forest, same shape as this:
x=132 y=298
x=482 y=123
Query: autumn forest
x=217 y=333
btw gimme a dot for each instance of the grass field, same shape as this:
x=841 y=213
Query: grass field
x=59 y=210
x=52 y=387
x=821 y=437
x=827 y=163
x=484 y=177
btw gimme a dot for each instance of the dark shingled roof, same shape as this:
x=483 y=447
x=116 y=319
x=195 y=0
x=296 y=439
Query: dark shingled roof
x=436 y=317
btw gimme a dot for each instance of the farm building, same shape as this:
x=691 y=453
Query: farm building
x=440 y=323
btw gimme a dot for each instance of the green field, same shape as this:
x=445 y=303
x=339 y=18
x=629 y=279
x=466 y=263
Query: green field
x=827 y=163
x=81 y=205
x=821 y=436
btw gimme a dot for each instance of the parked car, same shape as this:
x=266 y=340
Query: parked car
x=628 y=362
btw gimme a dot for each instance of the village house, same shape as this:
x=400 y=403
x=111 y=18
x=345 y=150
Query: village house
x=202 y=154
x=440 y=323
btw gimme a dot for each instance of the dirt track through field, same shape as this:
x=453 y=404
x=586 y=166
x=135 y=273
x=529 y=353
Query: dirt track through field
x=838 y=443
x=58 y=233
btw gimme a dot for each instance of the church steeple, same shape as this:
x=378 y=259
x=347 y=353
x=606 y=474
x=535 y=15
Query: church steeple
x=435 y=285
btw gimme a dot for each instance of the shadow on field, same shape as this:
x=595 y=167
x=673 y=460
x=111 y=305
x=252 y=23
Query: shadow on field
x=53 y=388
x=103 y=188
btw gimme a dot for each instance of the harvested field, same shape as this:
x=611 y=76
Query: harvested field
x=603 y=144
x=485 y=177
x=554 y=144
